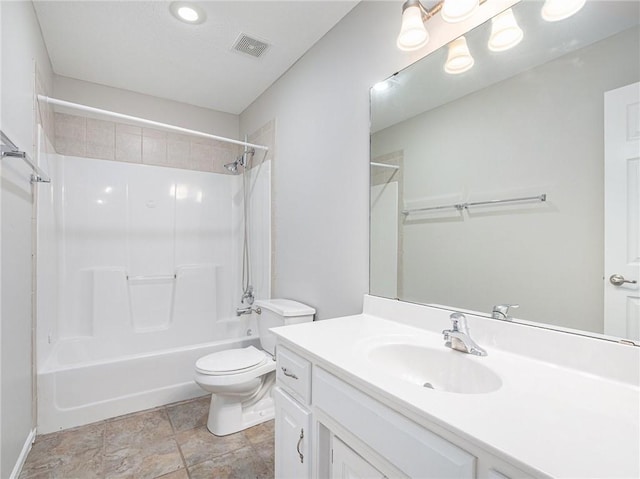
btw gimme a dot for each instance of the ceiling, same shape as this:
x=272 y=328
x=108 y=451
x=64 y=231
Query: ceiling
x=140 y=46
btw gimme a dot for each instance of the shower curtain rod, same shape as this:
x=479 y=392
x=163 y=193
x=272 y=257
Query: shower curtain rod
x=122 y=116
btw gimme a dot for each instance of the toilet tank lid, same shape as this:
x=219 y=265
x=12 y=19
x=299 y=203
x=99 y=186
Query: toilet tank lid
x=285 y=307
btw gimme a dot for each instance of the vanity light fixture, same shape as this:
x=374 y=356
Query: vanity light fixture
x=187 y=12
x=454 y=11
x=413 y=33
x=459 y=59
x=505 y=32
x=556 y=10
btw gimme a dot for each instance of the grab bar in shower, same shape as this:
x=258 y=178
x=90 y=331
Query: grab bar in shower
x=10 y=150
x=384 y=165
x=161 y=277
x=463 y=206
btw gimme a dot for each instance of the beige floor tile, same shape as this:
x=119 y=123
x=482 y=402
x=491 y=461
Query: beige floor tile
x=179 y=474
x=137 y=430
x=86 y=464
x=240 y=464
x=266 y=451
x=144 y=461
x=66 y=451
x=261 y=432
x=199 y=445
x=155 y=444
x=189 y=415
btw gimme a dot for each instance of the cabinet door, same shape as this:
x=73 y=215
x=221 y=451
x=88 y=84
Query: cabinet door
x=416 y=451
x=293 y=437
x=347 y=464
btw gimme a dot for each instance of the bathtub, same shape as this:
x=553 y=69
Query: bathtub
x=80 y=383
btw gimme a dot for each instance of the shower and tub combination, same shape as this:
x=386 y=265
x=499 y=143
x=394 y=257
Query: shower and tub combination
x=141 y=270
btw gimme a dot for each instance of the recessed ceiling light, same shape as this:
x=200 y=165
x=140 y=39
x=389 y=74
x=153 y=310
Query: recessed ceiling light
x=187 y=12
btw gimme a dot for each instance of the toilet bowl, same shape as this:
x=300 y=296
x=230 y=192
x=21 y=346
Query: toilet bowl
x=241 y=380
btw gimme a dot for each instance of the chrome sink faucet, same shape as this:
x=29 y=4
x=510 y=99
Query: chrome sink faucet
x=501 y=311
x=458 y=336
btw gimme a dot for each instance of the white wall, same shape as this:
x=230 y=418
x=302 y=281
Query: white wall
x=321 y=169
x=1 y=96
x=21 y=46
x=1 y=69
x=145 y=106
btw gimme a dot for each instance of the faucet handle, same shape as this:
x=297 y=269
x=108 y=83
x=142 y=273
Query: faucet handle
x=501 y=311
x=459 y=322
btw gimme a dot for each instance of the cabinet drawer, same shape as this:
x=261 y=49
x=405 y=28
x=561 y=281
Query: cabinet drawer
x=411 y=448
x=293 y=374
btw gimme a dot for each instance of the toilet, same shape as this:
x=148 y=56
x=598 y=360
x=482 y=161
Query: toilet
x=240 y=380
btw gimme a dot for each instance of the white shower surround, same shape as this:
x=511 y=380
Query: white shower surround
x=138 y=275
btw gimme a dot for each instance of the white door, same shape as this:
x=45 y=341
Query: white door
x=622 y=212
x=293 y=436
x=346 y=464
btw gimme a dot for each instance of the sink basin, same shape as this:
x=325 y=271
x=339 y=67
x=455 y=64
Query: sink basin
x=439 y=370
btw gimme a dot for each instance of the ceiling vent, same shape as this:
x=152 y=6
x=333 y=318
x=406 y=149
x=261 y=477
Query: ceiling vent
x=250 y=46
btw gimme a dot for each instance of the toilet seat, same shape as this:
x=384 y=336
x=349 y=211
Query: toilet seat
x=232 y=361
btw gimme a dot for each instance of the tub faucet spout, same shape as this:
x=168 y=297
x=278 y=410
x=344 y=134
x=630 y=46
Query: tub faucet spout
x=248 y=310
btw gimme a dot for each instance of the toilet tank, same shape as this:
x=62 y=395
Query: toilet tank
x=279 y=312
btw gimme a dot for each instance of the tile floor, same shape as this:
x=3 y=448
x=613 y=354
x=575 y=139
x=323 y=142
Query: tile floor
x=169 y=442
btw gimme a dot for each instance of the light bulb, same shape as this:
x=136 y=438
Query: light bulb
x=459 y=59
x=556 y=10
x=187 y=12
x=413 y=34
x=505 y=32
x=454 y=11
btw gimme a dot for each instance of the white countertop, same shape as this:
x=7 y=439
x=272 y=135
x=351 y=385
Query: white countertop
x=557 y=421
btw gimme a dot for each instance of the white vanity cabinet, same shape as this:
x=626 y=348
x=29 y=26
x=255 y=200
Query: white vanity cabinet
x=408 y=447
x=328 y=428
x=363 y=386
x=347 y=464
x=293 y=417
x=293 y=435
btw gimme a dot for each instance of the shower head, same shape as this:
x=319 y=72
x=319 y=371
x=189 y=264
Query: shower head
x=232 y=167
x=243 y=160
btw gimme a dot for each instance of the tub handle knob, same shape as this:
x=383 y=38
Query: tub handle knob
x=288 y=373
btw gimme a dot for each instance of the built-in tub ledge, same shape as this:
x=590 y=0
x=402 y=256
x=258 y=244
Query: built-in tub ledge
x=556 y=406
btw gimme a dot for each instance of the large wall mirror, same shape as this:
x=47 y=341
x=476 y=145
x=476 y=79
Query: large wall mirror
x=516 y=181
